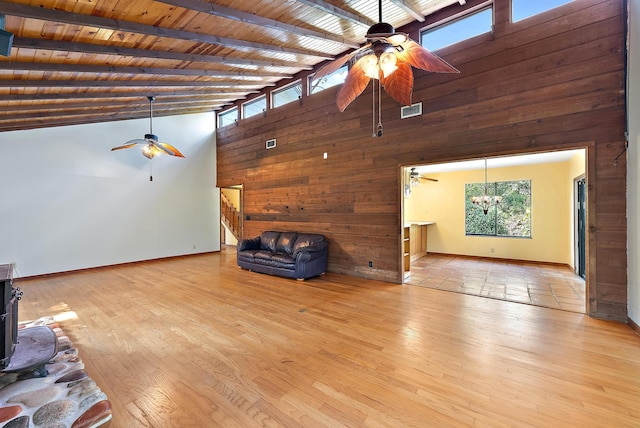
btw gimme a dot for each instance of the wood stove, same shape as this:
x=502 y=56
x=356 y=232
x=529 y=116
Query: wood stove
x=9 y=297
x=27 y=349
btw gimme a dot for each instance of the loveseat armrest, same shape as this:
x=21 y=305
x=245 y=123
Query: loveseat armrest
x=249 y=244
x=312 y=251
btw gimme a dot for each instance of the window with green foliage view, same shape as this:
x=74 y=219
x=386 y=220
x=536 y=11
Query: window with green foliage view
x=510 y=217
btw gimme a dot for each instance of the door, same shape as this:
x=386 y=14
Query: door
x=581 y=226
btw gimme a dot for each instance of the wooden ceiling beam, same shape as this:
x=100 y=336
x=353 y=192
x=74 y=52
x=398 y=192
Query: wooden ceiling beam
x=80 y=68
x=250 y=18
x=409 y=9
x=222 y=93
x=132 y=105
x=49 y=83
x=53 y=15
x=39 y=122
x=57 y=45
x=106 y=110
x=355 y=17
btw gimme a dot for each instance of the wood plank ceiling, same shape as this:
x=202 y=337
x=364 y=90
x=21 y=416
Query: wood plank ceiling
x=87 y=61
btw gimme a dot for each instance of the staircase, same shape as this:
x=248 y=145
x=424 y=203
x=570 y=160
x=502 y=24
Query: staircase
x=230 y=216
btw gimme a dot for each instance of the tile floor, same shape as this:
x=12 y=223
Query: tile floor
x=548 y=285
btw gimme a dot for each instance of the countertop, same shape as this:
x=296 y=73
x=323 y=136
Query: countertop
x=418 y=223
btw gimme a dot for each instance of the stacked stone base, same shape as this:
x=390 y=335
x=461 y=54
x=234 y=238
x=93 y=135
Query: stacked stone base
x=66 y=397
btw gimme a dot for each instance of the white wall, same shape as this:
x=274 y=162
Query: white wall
x=633 y=165
x=69 y=203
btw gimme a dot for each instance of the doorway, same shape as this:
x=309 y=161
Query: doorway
x=507 y=268
x=230 y=215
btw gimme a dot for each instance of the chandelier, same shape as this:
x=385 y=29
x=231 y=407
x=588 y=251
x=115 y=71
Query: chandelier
x=485 y=201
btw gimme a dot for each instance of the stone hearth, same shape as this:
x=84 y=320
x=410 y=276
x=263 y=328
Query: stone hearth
x=66 y=397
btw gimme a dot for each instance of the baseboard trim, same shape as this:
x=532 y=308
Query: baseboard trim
x=504 y=259
x=45 y=275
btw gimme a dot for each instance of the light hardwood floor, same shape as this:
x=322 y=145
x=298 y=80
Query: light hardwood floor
x=197 y=342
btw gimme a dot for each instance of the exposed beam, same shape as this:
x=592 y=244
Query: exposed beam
x=250 y=18
x=79 y=68
x=106 y=110
x=50 y=83
x=21 y=42
x=355 y=17
x=223 y=93
x=409 y=9
x=131 y=105
x=35 y=122
x=54 y=15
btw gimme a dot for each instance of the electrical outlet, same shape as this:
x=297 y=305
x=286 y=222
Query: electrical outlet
x=493 y=250
x=370 y=263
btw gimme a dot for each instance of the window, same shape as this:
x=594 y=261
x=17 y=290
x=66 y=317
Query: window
x=521 y=9
x=333 y=79
x=510 y=217
x=228 y=117
x=286 y=94
x=254 y=107
x=461 y=29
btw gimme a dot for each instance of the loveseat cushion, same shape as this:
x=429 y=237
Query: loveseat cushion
x=272 y=258
x=268 y=240
x=286 y=241
x=305 y=240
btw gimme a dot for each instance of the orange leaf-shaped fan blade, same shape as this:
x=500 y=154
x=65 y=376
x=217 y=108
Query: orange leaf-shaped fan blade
x=334 y=65
x=169 y=149
x=415 y=55
x=129 y=144
x=399 y=84
x=353 y=86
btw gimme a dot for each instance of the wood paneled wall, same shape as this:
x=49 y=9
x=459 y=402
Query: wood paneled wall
x=554 y=81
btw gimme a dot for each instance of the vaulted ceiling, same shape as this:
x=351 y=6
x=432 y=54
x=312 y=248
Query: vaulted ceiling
x=86 y=61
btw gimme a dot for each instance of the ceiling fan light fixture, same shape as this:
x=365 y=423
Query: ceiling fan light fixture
x=150 y=151
x=370 y=66
x=388 y=63
x=382 y=60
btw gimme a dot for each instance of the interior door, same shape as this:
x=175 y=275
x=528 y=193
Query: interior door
x=581 y=227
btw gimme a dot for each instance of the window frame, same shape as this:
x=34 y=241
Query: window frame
x=512 y=8
x=284 y=88
x=494 y=210
x=254 y=101
x=456 y=18
x=225 y=113
x=344 y=68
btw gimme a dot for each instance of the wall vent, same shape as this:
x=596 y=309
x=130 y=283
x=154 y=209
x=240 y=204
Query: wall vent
x=270 y=144
x=410 y=111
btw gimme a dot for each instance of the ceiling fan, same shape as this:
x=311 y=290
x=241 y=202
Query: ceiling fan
x=387 y=57
x=151 y=147
x=415 y=177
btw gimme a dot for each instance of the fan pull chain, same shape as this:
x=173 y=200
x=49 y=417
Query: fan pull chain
x=373 y=111
x=150 y=173
x=379 y=133
x=376 y=131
